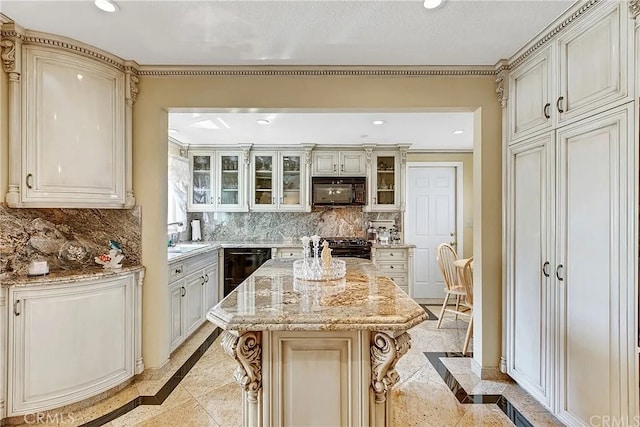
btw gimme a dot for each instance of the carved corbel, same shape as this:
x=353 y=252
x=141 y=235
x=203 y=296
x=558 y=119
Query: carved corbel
x=634 y=8
x=246 y=350
x=131 y=81
x=8 y=55
x=502 y=73
x=385 y=353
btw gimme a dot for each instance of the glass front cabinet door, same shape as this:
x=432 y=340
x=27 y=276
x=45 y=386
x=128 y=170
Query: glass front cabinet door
x=291 y=181
x=385 y=183
x=230 y=182
x=201 y=189
x=263 y=195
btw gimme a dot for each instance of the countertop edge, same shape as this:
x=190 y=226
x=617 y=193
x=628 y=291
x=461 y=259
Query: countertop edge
x=61 y=277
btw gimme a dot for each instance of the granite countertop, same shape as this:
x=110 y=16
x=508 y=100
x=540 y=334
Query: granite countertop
x=271 y=300
x=59 y=277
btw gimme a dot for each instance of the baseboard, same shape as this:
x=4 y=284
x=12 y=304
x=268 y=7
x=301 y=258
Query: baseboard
x=487 y=372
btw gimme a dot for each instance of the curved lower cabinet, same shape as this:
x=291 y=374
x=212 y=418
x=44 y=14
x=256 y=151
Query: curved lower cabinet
x=71 y=341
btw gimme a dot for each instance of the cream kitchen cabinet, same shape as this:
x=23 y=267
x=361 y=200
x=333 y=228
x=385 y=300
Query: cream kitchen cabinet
x=395 y=262
x=338 y=163
x=193 y=290
x=582 y=72
x=288 y=252
x=217 y=181
x=386 y=188
x=202 y=192
x=71 y=339
x=568 y=222
x=70 y=135
x=278 y=181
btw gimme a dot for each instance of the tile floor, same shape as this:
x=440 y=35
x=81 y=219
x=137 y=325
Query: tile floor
x=207 y=395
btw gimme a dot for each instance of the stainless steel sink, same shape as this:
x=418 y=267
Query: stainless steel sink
x=181 y=248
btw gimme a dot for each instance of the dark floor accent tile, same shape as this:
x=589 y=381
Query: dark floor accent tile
x=165 y=390
x=463 y=397
x=430 y=314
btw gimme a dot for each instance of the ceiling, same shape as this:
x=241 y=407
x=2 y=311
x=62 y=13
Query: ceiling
x=424 y=130
x=303 y=32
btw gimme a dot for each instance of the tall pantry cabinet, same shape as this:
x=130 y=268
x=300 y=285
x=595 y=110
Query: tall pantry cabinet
x=570 y=206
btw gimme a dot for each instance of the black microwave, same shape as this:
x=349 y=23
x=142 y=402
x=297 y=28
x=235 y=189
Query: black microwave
x=339 y=191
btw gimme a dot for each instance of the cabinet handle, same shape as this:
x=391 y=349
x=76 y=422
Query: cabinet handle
x=282 y=199
x=342 y=168
x=374 y=200
x=558 y=272
x=558 y=104
x=178 y=270
x=206 y=278
x=390 y=253
x=28 y=180
x=219 y=199
x=15 y=307
x=545 y=111
x=545 y=268
x=391 y=267
x=273 y=200
x=184 y=291
x=334 y=167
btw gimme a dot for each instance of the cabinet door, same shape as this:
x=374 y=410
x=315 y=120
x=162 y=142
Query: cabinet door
x=291 y=181
x=530 y=170
x=67 y=343
x=595 y=268
x=230 y=183
x=74 y=139
x=176 y=314
x=263 y=181
x=352 y=163
x=593 y=63
x=325 y=163
x=385 y=183
x=194 y=301
x=201 y=194
x=211 y=286
x=530 y=92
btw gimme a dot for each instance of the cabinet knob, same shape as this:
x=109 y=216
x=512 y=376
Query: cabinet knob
x=202 y=280
x=391 y=254
x=391 y=267
x=15 y=307
x=342 y=168
x=178 y=270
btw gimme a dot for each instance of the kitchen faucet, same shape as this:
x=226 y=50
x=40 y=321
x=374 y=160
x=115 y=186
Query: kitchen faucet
x=175 y=236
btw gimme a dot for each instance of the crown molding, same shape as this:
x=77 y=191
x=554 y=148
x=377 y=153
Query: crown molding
x=249 y=71
x=551 y=31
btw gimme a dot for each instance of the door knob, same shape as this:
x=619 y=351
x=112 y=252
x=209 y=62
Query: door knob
x=452 y=234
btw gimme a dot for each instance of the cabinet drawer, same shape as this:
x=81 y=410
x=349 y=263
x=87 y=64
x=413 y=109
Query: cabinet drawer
x=388 y=268
x=176 y=271
x=391 y=254
x=200 y=261
x=290 y=253
x=400 y=280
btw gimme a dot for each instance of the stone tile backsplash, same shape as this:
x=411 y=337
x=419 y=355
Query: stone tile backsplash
x=343 y=222
x=66 y=238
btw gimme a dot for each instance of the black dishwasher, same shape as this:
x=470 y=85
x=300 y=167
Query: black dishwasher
x=239 y=263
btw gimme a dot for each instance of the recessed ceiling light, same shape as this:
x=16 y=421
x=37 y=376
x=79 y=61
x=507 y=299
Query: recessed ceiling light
x=263 y=121
x=106 y=5
x=205 y=124
x=173 y=130
x=79 y=76
x=378 y=122
x=457 y=132
x=432 y=4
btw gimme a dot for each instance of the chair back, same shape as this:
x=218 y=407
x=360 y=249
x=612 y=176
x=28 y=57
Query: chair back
x=445 y=256
x=466 y=279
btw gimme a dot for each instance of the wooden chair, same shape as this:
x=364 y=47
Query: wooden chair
x=446 y=256
x=465 y=273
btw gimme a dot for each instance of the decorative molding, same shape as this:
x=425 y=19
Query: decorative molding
x=502 y=73
x=8 y=55
x=403 y=157
x=247 y=352
x=634 y=8
x=385 y=353
x=295 y=71
x=545 y=39
x=368 y=155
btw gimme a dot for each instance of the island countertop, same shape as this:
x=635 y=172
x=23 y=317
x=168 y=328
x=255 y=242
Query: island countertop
x=271 y=300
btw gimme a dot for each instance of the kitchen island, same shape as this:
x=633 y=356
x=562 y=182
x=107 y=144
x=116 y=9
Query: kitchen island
x=316 y=353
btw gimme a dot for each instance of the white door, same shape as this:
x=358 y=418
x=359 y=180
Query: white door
x=430 y=220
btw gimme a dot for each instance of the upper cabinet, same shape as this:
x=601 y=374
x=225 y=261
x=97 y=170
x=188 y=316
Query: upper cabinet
x=385 y=182
x=338 y=163
x=69 y=123
x=278 y=181
x=582 y=72
x=217 y=181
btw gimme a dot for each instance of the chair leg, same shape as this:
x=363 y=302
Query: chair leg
x=467 y=338
x=444 y=305
x=457 y=305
